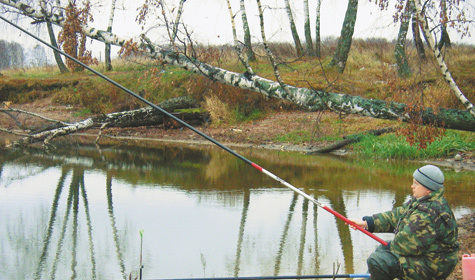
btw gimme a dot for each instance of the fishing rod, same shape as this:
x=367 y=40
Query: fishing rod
x=322 y=276
x=288 y=185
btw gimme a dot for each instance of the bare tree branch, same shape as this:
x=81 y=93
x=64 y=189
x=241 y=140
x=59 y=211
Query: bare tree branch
x=32 y=114
x=270 y=55
x=440 y=59
x=243 y=59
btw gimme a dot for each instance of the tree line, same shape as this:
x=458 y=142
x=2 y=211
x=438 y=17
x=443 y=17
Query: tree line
x=14 y=55
x=11 y=55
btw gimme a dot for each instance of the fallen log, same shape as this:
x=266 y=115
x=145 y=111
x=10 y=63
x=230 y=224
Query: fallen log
x=350 y=140
x=146 y=116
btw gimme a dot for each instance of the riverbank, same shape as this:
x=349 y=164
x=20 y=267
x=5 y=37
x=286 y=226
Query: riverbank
x=297 y=131
x=260 y=134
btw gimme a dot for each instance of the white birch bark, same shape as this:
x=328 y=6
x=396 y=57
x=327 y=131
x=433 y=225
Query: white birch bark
x=242 y=58
x=308 y=31
x=317 y=29
x=247 y=33
x=310 y=99
x=145 y=116
x=107 y=55
x=177 y=21
x=270 y=55
x=440 y=59
x=293 y=29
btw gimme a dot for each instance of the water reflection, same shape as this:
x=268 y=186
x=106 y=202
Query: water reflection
x=77 y=213
x=114 y=227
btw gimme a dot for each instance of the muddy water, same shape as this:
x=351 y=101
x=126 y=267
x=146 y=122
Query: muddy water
x=79 y=213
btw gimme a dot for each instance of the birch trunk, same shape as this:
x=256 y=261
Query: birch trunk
x=57 y=57
x=177 y=21
x=346 y=37
x=309 y=99
x=251 y=56
x=241 y=57
x=444 y=35
x=308 y=31
x=270 y=55
x=440 y=59
x=317 y=30
x=141 y=117
x=293 y=29
x=416 y=34
x=107 y=55
x=400 y=49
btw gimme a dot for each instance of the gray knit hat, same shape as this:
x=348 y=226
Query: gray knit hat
x=430 y=177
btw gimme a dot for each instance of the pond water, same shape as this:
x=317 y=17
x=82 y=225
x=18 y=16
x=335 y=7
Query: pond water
x=184 y=211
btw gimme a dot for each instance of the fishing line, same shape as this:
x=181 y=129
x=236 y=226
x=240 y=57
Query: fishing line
x=333 y=212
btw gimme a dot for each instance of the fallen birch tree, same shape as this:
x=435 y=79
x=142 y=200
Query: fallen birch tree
x=309 y=99
x=146 y=116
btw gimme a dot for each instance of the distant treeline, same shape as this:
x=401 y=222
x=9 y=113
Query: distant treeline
x=14 y=55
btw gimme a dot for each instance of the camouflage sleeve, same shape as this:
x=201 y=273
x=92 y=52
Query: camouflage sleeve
x=415 y=235
x=387 y=221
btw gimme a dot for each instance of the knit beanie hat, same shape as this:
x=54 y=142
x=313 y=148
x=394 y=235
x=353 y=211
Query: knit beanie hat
x=430 y=177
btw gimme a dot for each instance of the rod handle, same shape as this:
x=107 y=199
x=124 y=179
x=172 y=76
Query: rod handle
x=346 y=220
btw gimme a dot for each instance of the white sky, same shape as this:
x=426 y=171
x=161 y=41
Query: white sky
x=209 y=20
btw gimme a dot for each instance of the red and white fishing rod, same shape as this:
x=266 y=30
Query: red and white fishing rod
x=333 y=212
x=316 y=202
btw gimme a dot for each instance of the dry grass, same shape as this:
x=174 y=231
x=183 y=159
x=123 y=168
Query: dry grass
x=370 y=72
x=219 y=111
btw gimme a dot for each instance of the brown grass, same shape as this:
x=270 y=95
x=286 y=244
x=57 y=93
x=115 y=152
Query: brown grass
x=219 y=111
x=370 y=72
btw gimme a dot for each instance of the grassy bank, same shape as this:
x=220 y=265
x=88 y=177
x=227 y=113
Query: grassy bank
x=394 y=146
x=370 y=73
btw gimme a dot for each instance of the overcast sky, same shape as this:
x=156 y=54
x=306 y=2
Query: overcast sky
x=209 y=20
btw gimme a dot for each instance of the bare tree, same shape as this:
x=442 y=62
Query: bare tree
x=416 y=35
x=346 y=36
x=440 y=59
x=444 y=35
x=177 y=20
x=11 y=55
x=293 y=29
x=400 y=49
x=317 y=30
x=251 y=56
x=270 y=55
x=107 y=55
x=57 y=57
x=38 y=56
x=244 y=60
x=52 y=38
x=308 y=31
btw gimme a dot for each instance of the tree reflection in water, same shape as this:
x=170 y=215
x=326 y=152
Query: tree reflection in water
x=118 y=251
x=242 y=225
x=190 y=178
x=76 y=192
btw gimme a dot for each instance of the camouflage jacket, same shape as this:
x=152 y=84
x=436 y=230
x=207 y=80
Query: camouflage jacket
x=425 y=236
